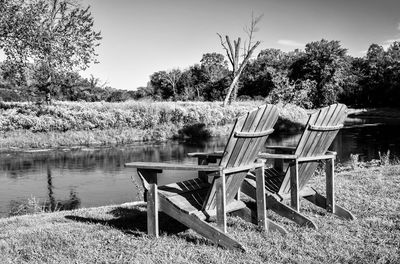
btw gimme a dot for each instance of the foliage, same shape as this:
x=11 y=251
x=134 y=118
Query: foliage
x=64 y=116
x=324 y=63
x=300 y=93
x=28 y=125
x=56 y=35
x=380 y=80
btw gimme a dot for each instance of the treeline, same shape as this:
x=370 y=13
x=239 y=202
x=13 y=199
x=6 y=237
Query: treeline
x=321 y=74
x=66 y=86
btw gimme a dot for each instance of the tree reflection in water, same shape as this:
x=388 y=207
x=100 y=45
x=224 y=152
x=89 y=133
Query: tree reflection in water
x=93 y=177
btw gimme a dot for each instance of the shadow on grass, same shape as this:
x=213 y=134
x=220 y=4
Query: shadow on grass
x=133 y=221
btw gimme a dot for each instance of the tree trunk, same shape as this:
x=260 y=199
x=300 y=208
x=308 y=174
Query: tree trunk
x=231 y=87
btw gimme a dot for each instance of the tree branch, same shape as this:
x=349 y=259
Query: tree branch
x=226 y=49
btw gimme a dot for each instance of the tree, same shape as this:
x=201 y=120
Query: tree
x=325 y=63
x=214 y=66
x=233 y=53
x=158 y=86
x=52 y=35
x=257 y=78
x=172 y=78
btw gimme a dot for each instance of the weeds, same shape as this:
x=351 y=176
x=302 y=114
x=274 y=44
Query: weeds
x=384 y=158
x=63 y=124
x=354 y=161
x=31 y=206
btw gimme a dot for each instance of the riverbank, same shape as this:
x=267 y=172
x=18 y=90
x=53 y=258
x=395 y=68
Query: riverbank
x=116 y=234
x=27 y=126
x=385 y=113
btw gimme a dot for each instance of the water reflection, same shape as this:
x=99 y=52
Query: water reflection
x=94 y=177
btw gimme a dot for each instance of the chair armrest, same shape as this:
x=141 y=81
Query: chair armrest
x=160 y=166
x=315 y=158
x=215 y=154
x=276 y=156
x=281 y=148
x=244 y=167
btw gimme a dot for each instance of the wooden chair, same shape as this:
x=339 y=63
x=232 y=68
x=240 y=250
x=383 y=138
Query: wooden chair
x=289 y=181
x=213 y=193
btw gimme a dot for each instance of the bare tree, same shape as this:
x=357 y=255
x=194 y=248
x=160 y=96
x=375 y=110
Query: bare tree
x=233 y=53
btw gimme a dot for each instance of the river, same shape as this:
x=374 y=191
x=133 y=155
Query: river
x=88 y=177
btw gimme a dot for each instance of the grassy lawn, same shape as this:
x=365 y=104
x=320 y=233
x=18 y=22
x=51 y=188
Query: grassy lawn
x=116 y=234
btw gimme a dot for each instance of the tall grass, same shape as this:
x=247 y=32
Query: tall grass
x=100 y=123
x=64 y=116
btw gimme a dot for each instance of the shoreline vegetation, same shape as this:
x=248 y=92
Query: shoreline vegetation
x=117 y=234
x=67 y=125
x=27 y=126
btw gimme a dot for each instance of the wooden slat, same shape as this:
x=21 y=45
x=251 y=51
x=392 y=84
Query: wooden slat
x=320 y=201
x=221 y=204
x=260 y=199
x=266 y=122
x=183 y=187
x=237 y=150
x=325 y=128
x=232 y=140
x=323 y=143
x=152 y=210
x=314 y=143
x=294 y=187
x=188 y=202
x=285 y=185
x=234 y=159
x=277 y=156
x=234 y=183
x=254 y=134
x=330 y=186
x=199 y=226
x=171 y=166
x=257 y=126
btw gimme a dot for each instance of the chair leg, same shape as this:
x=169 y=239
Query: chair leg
x=221 y=202
x=330 y=185
x=294 y=186
x=321 y=201
x=289 y=213
x=278 y=207
x=152 y=210
x=249 y=215
x=200 y=226
x=260 y=199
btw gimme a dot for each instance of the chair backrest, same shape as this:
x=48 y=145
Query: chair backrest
x=248 y=136
x=321 y=129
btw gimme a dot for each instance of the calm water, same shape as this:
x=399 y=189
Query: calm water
x=95 y=177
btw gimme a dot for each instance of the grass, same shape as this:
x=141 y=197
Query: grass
x=66 y=124
x=116 y=234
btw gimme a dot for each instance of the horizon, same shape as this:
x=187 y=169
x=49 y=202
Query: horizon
x=143 y=37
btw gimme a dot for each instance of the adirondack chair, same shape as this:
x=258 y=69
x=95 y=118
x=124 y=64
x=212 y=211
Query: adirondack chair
x=213 y=193
x=289 y=181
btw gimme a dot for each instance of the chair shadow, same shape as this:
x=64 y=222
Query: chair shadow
x=132 y=221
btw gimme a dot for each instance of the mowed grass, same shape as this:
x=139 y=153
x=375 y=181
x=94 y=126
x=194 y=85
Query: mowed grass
x=117 y=234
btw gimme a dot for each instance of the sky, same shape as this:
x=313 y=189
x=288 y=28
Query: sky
x=141 y=37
